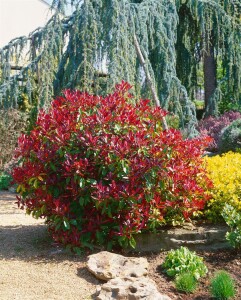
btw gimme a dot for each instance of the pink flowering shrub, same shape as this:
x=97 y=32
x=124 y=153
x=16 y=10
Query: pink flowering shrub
x=212 y=126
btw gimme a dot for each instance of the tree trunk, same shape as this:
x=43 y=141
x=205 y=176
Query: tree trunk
x=210 y=79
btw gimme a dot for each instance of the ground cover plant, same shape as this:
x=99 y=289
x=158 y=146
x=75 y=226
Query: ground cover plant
x=225 y=172
x=101 y=169
x=183 y=260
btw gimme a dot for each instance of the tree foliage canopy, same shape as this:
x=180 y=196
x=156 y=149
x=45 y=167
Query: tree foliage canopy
x=93 y=49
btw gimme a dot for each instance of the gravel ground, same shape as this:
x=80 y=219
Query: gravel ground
x=31 y=266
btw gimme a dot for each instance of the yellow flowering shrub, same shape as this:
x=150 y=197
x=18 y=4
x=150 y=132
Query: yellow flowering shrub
x=225 y=173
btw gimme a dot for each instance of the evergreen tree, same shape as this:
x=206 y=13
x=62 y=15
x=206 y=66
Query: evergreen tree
x=97 y=47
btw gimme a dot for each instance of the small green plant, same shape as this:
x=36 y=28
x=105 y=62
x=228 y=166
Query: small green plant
x=222 y=286
x=233 y=219
x=186 y=282
x=183 y=260
x=5 y=180
x=199 y=104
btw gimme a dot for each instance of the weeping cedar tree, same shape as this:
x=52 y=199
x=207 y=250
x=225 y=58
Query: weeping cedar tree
x=97 y=47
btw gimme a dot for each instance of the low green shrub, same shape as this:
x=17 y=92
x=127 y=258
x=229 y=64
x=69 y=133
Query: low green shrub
x=233 y=219
x=186 y=282
x=5 y=180
x=230 y=139
x=183 y=260
x=222 y=286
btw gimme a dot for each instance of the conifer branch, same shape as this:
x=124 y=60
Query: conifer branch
x=148 y=78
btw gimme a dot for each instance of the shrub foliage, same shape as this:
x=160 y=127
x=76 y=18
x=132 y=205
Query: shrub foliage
x=5 y=181
x=102 y=169
x=225 y=173
x=233 y=219
x=230 y=139
x=12 y=124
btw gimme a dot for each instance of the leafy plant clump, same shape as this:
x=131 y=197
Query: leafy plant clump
x=213 y=126
x=233 y=219
x=222 y=286
x=100 y=170
x=183 y=260
x=230 y=139
x=225 y=172
x=186 y=282
x=5 y=180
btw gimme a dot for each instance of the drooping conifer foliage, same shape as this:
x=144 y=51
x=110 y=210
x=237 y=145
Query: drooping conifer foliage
x=93 y=49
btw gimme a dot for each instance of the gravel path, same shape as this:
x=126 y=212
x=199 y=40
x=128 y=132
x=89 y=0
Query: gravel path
x=31 y=267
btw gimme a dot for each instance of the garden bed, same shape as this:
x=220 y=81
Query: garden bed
x=39 y=269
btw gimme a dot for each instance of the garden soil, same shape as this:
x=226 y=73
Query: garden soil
x=32 y=267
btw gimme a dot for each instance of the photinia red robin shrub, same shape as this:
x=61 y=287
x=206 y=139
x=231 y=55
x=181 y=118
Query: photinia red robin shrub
x=100 y=170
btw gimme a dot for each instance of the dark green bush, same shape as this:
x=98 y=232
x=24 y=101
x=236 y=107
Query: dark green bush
x=5 y=180
x=230 y=139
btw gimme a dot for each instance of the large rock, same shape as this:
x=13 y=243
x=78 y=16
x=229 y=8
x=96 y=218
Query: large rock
x=106 y=265
x=130 y=288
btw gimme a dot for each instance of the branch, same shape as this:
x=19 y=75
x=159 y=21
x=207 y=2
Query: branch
x=148 y=78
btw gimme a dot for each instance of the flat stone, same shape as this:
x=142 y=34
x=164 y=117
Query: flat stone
x=106 y=265
x=130 y=288
x=197 y=238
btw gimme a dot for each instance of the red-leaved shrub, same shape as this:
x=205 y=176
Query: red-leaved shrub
x=102 y=169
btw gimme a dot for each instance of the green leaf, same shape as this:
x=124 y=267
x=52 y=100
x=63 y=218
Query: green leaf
x=109 y=245
x=82 y=182
x=35 y=184
x=132 y=242
x=52 y=166
x=109 y=212
x=82 y=201
x=100 y=237
x=66 y=224
x=91 y=181
x=73 y=222
x=43 y=208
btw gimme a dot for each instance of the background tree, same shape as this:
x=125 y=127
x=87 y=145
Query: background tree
x=94 y=49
